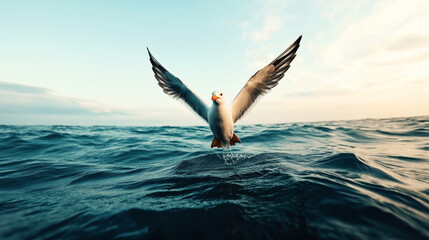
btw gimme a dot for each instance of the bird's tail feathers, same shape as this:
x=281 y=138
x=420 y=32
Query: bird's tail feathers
x=216 y=143
x=234 y=139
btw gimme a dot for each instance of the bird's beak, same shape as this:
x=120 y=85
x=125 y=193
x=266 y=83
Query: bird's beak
x=214 y=97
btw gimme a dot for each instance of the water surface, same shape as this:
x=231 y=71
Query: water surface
x=365 y=179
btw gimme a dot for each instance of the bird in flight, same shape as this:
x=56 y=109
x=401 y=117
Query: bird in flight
x=220 y=116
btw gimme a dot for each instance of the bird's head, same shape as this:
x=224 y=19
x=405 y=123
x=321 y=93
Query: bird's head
x=217 y=97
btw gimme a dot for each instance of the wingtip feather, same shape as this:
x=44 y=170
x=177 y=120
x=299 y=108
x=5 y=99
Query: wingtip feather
x=148 y=51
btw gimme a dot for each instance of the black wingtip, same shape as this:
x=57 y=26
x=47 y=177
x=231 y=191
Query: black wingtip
x=298 y=40
x=287 y=53
x=154 y=62
x=150 y=55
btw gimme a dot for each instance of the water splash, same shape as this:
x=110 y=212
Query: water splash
x=233 y=158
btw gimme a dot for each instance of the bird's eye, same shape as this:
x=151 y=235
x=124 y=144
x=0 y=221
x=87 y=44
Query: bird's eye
x=221 y=94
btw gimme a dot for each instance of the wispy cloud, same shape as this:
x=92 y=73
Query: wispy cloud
x=18 y=98
x=335 y=9
x=375 y=65
x=389 y=42
x=388 y=28
x=257 y=58
x=271 y=25
x=19 y=88
x=264 y=21
x=24 y=104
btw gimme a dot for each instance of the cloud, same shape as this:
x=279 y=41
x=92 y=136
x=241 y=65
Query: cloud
x=18 y=88
x=408 y=42
x=374 y=64
x=266 y=18
x=258 y=31
x=271 y=25
x=388 y=44
x=18 y=98
x=391 y=30
x=259 y=57
x=24 y=104
x=337 y=8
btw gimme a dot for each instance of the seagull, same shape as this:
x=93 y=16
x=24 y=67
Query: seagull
x=220 y=116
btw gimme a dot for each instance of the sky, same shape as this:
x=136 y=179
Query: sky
x=85 y=62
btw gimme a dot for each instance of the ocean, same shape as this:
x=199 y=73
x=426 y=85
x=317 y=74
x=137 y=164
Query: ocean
x=362 y=179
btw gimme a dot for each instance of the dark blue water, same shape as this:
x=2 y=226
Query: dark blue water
x=366 y=179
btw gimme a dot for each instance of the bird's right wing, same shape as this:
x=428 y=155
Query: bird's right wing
x=263 y=81
x=176 y=88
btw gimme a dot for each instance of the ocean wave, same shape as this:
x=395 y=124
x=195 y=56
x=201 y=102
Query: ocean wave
x=327 y=180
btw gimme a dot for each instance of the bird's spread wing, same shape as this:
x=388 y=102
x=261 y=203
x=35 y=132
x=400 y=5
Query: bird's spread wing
x=263 y=81
x=176 y=88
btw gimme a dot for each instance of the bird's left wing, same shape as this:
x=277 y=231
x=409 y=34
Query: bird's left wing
x=176 y=88
x=263 y=81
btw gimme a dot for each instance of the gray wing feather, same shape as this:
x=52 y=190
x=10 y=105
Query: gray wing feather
x=263 y=81
x=172 y=86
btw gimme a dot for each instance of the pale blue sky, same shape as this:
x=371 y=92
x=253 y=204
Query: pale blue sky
x=85 y=62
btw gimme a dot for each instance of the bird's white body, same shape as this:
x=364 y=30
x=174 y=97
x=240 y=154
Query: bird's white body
x=220 y=122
